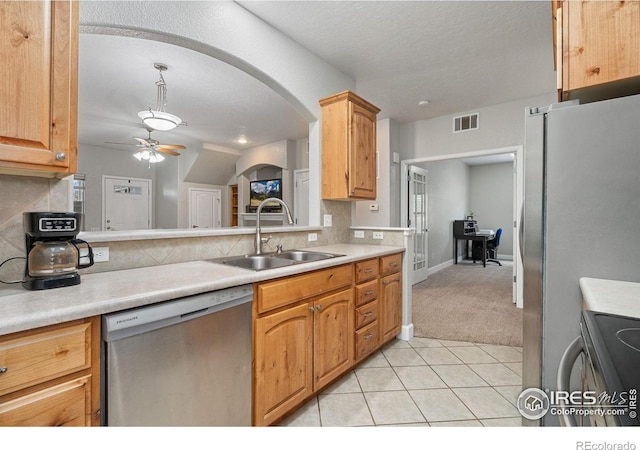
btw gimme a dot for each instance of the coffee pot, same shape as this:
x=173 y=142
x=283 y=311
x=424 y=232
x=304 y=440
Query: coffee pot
x=52 y=258
x=54 y=254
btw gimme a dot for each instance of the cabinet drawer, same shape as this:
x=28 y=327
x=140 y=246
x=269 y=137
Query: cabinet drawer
x=33 y=358
x=274 y=294
x=366 y=314
x=366 y=270
x=366 y=292
x=390 y=264
x=366 y=340
x=65 y=404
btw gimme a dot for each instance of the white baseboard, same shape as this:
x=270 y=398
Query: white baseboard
x=406 y=332
x=439 y=267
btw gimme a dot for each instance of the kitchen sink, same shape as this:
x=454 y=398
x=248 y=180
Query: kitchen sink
x=304 y=255
x=256 y=262
x=274 y=260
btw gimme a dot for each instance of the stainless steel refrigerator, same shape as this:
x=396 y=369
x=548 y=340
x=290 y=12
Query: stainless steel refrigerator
x=581 y=218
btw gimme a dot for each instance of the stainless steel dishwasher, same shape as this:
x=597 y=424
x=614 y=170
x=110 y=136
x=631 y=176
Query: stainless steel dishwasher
x=184 y=362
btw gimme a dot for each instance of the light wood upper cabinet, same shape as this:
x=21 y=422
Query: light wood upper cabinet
x=597 y=49
x=39 y=88
x=349 y=161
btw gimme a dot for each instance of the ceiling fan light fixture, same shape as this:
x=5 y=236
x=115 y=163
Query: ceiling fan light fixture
x=159 y=119
x=142 y=155
x=146 y=155
x=156 y=157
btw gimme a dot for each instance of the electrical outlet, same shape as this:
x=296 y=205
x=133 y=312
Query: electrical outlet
x=101 y=254
x=374 y=207
x=378 y=235
x=358 y=234
x=328 y=220
x=313 y=237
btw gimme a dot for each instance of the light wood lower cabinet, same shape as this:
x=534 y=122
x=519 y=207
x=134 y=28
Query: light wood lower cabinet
x=299 y=350
x=283 y=362
x=64 y=404
x=390 y=297
x=50 y=375
x=332 y=343
x=309 y=329
x=390 y=307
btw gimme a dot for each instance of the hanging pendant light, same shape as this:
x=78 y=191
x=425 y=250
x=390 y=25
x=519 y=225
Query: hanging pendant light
x=159 y=119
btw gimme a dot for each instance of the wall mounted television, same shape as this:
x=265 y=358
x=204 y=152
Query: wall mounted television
x=263 y=189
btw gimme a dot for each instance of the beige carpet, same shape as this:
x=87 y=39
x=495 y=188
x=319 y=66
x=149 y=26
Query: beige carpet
x=468 y=302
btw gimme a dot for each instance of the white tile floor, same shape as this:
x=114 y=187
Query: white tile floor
x=422 y=382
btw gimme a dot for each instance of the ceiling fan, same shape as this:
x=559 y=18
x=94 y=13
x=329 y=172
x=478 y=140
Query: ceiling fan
x=150 y=148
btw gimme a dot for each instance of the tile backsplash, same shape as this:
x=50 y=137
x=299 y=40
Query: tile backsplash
x=19 y=194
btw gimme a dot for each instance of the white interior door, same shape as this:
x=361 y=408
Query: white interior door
x=126 y=203
x=205 y=208
x=417 y=209
x=301 y=197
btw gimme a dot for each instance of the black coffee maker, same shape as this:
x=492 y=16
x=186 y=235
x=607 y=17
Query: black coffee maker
x=53 y=255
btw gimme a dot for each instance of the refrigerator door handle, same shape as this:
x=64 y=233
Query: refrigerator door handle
x=569 y=357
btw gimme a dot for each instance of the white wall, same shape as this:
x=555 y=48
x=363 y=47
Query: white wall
x=166 y=191
x=447 y=191
x=491 y=199
x=500 y=126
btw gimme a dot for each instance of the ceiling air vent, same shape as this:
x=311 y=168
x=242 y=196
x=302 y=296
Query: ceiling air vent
x=465 y=123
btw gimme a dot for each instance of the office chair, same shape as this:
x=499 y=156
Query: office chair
x=492 y=247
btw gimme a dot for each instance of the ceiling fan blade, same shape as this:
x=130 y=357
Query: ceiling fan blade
x=172 y=146
x=167 y=151
x=143 y=141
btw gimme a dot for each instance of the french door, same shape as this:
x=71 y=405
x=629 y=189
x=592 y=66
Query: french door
x=417 y=209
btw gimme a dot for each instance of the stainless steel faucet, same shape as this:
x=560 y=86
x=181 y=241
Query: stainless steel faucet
x=259 y=239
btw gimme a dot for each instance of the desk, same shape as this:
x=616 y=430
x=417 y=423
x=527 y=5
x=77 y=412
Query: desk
x=482 y=235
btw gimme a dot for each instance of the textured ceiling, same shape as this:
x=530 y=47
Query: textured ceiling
x=458 y=55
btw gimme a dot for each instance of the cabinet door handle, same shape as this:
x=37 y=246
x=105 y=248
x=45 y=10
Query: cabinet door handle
x=3 y=369
x=61 y=156
x=368 y=270
x=385 y=282
x=367 y=293
x=311 y=309
x=319 y=307
x=368 y=336
x=367 y=314
x=393 y=264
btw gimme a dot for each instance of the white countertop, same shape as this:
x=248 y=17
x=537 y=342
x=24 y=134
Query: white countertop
x=101 y=293
x=611 y=296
